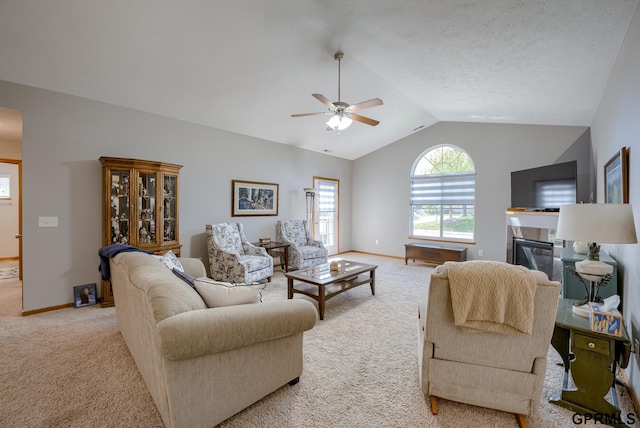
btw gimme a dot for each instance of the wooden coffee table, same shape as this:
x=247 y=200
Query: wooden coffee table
x=321 y=284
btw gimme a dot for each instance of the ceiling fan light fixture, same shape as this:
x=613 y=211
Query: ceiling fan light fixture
x=342 y=113
x=338 y=122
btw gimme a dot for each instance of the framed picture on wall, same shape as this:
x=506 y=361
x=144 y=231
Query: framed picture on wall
x=616 y=178
x=250 y=198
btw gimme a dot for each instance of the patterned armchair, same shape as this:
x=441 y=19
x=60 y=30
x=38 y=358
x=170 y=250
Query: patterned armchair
x=304 y=251
x=234 y=259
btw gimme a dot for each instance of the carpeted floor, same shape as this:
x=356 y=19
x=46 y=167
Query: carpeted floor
x=9 y=270
x=71 y=368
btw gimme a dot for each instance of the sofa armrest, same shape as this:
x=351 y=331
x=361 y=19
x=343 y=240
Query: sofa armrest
x=193 y=266
x=208 y=331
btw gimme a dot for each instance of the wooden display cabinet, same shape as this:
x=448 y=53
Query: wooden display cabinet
x=140 y=207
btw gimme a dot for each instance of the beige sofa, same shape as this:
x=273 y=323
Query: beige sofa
x=203 y=365
x=489 y=369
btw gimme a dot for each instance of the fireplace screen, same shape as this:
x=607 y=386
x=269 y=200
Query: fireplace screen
x=536 y=255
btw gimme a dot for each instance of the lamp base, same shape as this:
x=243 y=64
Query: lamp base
x=594 y=268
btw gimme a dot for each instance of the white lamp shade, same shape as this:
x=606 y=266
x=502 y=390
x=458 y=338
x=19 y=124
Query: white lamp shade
x=599 y=223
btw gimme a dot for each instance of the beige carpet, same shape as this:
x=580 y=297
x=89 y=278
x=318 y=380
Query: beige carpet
x=71 y=368
x=9 y=270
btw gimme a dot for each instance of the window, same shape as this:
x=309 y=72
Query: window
x=443 y=183
x=5 y=186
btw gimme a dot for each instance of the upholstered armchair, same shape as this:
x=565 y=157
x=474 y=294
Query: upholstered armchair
x=304 y=251
x=484 y=360
x=234 y=259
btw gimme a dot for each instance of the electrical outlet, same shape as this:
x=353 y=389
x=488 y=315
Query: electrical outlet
x=376 y=242
x=480 y=253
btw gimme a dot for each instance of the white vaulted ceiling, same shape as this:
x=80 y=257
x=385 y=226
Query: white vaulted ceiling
x=247 y=65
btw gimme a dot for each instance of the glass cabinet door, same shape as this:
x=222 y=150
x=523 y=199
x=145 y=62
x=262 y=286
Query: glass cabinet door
x=147 y=208
x=120 y=182
x=170 y=207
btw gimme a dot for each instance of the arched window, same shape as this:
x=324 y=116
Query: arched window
x=443 y=183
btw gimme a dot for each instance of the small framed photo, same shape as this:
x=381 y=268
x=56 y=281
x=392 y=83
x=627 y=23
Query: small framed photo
x=616 y=178
x=84 y=295
x=249 y=198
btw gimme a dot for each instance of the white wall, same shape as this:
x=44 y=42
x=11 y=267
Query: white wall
x=63 y=137
x=616 y=125
x=381 y=180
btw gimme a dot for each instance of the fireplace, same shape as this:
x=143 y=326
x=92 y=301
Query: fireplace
x=536 y=255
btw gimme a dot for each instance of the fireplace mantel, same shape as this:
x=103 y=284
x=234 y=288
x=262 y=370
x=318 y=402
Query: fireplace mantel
x=538 y=220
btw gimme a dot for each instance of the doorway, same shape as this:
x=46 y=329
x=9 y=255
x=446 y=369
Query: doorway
x=11 y=291
x=326 y=215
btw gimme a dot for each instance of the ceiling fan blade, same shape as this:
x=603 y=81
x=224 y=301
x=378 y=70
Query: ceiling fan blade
x=324 y=101
x=364 y=119
x=365 y=104
x=308 y=114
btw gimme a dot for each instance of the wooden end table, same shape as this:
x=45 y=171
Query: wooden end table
x=592 y=359
x=277 y=249
x=321 y=284
x=435 y=254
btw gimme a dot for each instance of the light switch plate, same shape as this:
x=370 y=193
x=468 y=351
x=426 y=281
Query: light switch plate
x=47 y=221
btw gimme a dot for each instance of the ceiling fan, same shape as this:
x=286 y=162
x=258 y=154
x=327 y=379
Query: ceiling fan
x=342 y=114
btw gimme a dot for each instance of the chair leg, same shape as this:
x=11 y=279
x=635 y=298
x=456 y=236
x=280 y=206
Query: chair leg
x=434 y=405
x=522 y=422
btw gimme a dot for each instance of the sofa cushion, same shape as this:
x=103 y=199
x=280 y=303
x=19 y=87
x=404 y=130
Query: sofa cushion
x=254 y=263
x=171 y=261
x=217 y=294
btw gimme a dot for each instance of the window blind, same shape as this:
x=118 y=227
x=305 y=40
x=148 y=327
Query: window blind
x=326 y=198
x=445 y=189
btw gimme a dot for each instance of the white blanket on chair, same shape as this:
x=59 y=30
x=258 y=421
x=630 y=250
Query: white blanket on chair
x=492 y=296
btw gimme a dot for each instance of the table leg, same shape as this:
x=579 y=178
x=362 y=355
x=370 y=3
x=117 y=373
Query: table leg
x=560 y=341
x=290 y=288
x=372 y=280
x=285 y=262
x=321 y=301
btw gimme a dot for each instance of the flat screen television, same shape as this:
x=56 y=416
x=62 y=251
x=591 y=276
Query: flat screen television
x=545 y=188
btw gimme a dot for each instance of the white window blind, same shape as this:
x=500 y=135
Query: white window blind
x=326 y=198
x=446 y=189
x=5 y=186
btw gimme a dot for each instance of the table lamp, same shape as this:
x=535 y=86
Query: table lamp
x=596 y=224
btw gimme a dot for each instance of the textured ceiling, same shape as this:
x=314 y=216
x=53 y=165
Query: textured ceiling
x=246 y=66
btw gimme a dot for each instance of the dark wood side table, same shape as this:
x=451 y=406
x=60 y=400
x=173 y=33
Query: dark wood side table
x=592 y=359
x=435 y=254
x=277 y=249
